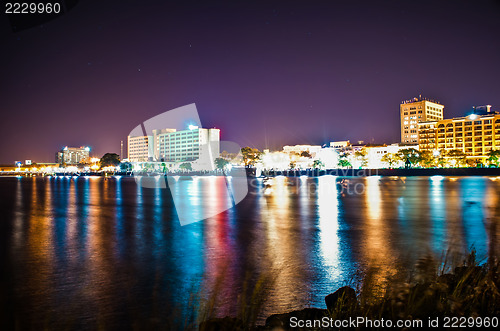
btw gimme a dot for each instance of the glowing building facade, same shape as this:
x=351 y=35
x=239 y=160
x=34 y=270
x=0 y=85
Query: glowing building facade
x=140 y=148
x=474 y=135
x=376 y=153
x=415 y=111
x=193 y=144
x=298 y=149
x=72 y=155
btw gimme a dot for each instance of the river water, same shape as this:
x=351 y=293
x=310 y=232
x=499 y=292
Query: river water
x=90 y=252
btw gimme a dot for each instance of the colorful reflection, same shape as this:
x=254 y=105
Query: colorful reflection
x=475 y=205
x=113 y=251
x=377 y=248
x=283 y=251
x=328 y=204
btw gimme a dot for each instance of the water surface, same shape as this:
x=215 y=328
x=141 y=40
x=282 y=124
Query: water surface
x=92 y=252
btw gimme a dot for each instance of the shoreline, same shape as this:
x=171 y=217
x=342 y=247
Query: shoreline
x=387 y=172
x=450 y=172
x=435 y=299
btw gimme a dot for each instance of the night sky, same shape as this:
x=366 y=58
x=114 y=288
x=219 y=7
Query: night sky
x=267 y=73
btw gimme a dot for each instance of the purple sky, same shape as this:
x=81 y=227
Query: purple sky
x=266 y=73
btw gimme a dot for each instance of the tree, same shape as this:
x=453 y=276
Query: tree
x=233 y=158
x=440 y=160
x=457 y=158
x=250 y=155
x=126 y=166
x=361 y=157
x=83 y=164
x=426 y=159
x=147 y=167
x=305 y=154
x=494 y=157
x=472 y=163
x=344 y=161
x=410 y=154
x=186 y=166
x=164 y=168
x=390 y=159
x=221 y=163
x=110 y=159
x=227 y=155
x=318 y=164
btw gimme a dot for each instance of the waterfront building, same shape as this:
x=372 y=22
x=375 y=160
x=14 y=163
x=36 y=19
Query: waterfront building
x=483 y=110
x=193 y=144
x=475 y=135
x=298 y=149
x=72 y=155
x=140 y=148
x=374 y=154
x=278 y=160
x=329 y=157
x=415 y=111
x=198 y=146
x=340 y=145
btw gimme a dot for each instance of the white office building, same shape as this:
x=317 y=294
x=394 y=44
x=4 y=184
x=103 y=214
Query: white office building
x=140 y=148
x=193 y=144
x=196 y=145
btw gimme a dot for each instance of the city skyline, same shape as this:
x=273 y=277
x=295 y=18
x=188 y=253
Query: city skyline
x=415 y=100
x=267 y=75
x=249 y=165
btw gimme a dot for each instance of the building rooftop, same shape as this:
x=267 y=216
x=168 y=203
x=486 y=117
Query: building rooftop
x=418 y=99
x=483 y=110
x=470 y=117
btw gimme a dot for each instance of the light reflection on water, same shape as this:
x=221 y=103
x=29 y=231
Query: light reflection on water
x=377 y=249
x=89 y=251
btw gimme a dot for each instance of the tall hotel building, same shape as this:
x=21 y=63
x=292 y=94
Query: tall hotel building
x=170 y=145
x=72 y=155
x=415 y=111
x=186 y=145
x=140 y=148
x=475 y=135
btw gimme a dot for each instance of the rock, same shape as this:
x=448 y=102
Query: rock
x=282 y=321
x=448 y=279
x=343 y=297
x=277 y=321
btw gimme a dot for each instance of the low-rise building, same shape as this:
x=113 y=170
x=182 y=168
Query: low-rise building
x=278 y=160
x=298 y=149
x=340 y=145
x=374 y=154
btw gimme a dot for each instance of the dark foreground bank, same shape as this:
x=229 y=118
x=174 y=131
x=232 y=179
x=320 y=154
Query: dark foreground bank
x=466 y=297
